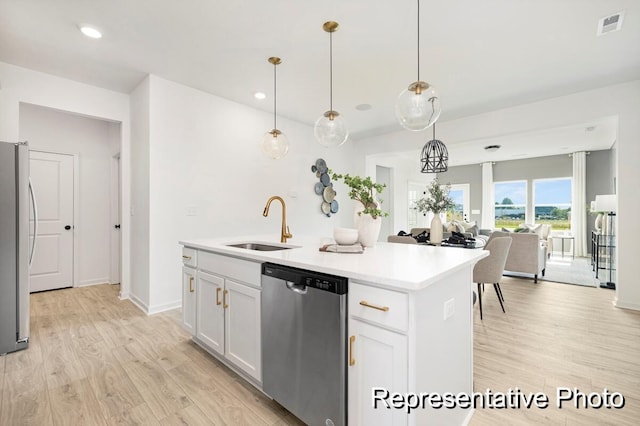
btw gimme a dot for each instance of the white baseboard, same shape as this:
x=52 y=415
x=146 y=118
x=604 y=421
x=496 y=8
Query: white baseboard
x=624 y=305
x=467 y=419
x=139 y=303
x=156 y=309
x=95 y=281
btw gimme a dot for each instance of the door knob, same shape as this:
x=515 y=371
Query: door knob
x=67 y=227
x=117 y=226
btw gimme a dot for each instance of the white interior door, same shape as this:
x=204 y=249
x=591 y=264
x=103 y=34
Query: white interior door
x=52 y=179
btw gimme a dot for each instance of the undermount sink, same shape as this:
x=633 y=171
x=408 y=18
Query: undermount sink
x=258 y=246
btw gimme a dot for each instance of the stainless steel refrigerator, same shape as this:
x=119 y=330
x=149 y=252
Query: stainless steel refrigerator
x=16 y=248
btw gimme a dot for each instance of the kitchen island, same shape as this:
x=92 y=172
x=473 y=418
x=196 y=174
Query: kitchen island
x=410 y=322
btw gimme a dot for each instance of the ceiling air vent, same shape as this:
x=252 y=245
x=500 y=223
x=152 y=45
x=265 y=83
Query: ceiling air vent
x=610 y=24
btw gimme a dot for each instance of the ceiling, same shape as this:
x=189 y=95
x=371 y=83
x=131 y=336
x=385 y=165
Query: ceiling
x=480 y=55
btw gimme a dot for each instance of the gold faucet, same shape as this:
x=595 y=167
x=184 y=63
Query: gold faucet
x=284 y=232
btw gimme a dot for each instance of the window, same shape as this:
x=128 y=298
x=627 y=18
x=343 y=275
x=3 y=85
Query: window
x=459 y=193
x=552 y=202
x=510 y=203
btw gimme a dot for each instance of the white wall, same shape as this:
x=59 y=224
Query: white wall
x=205 y=155
x=20 y=85
x=139 y=209
x=621 y=101
x=403 y=173
x=91 y=140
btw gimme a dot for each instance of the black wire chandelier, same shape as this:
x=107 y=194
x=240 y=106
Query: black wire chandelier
x=434 y=157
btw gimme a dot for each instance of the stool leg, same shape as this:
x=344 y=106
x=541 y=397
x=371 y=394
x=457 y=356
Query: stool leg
x=480 y=300
x=495 y=286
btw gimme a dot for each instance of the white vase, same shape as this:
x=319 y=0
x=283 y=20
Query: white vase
x=368 y=229
x=435 y=233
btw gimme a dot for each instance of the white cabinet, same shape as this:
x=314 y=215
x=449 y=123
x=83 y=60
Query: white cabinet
x=378 y=352
x=242 y=328
x=189 y=299
x=377 y=358
x=408 y=342
x=226 y=308
x=210 y=311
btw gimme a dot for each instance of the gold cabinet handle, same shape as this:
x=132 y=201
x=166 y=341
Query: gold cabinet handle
x=369 y=305
x=190 y=284
x=224 y=299
x=186 y=257
x=352 y=360
x=218 y=295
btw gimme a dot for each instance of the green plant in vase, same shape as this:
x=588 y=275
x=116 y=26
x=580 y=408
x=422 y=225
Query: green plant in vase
x=368 y=220
x=437 y=201
x=364 y=191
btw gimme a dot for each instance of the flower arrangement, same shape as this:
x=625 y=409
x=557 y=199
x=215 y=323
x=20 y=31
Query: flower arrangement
x=362 y=190
x=438 y=200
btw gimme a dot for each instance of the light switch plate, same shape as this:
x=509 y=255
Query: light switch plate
x=192 y=210
x=449 y=308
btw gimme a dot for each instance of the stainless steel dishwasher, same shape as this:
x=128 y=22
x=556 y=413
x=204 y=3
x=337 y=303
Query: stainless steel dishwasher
x=304 y=343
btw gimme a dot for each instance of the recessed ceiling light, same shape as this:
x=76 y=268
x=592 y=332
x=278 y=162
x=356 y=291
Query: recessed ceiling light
x=90 y=31
x=363 y=107
x=259 y=95
x=492 y=148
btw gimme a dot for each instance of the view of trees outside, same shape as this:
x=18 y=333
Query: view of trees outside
x=552 y=202
x=457 y=212
x=510 y=203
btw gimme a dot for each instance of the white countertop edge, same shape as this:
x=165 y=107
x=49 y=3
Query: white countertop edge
x=295 y=257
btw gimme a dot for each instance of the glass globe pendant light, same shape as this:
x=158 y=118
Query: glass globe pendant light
x=275 y=144
x=331 y=129
x=418 y=106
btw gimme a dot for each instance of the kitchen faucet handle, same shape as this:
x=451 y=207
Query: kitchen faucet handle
x=288 y=235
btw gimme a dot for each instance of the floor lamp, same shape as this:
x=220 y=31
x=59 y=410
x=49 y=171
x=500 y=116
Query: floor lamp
x=608 y=203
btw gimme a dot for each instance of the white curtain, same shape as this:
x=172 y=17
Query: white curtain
x=579 y=203
x=488 y=220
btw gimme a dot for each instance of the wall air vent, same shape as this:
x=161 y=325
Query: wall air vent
x=610 y=24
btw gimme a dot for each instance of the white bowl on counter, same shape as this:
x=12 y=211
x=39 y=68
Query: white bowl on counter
x=345 y=236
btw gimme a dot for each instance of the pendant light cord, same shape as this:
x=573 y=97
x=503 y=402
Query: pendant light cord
x=331 y=71
x=275 y=94
x=418 y=40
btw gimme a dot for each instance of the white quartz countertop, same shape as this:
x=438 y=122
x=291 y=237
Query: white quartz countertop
x=390 y=265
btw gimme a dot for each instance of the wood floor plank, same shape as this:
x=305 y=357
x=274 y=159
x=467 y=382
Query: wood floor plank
x=75 y=404
x=213 y=399
x=25 y=400
x=190 y=416
x=161 y=393
x=111 y=385
x=138 y=415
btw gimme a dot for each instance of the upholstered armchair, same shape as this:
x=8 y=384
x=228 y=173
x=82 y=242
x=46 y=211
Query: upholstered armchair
x=527 y=255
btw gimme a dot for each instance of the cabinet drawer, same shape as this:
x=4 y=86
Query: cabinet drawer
x=231 y=267
x=189 y=257
x=385 y=307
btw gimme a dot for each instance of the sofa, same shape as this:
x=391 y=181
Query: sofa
x=527 y=255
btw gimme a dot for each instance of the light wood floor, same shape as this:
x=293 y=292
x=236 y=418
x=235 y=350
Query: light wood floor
x=95 y=360
x=556 y=335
